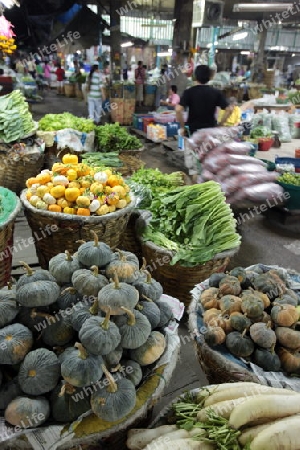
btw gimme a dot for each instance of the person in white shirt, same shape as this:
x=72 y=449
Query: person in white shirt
x=96 y=93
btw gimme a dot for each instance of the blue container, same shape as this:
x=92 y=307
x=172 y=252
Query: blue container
x=150 y=88
x=294 y=161
x=138 y=120
x=172 y=128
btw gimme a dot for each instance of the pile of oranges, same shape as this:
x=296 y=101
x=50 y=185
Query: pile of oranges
x=75 y=188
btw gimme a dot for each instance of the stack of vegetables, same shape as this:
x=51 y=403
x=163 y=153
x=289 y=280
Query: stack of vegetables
x=72 y=327
x=15 y=119
x=74 y=188
x=114 y=138
x=193 y=221
x=256 y=316
x=56 y=122
x=235 y=416
x=8 y=203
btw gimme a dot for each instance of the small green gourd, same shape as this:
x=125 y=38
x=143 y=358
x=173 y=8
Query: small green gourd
x=239 y=344
x=62 y=267
x=68 y=297
x=149 y=287
x=89 y=282
x=151 y=350
x=68 y=402
x=15 y=342
x=94 y=253
x=134 y=329
x=132 y=371
x=117 y=295
x=126 y=269
x=151 y=311
x=27 y=412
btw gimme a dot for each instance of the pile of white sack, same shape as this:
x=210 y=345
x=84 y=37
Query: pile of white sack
x=244 y=179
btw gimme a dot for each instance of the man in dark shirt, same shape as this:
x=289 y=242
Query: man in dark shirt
x=202 y=101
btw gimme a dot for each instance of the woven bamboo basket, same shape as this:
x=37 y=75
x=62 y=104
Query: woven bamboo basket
x=54 y=155
x=70 y=90
x=14 y=173
x=69 y=229
x=219 y=365
x=6 y=244
x=132 y=161
x=177 y=280
x=92 y=433
x=130 y=241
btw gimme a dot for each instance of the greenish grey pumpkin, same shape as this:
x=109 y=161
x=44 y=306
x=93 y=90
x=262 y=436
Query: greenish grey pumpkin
x=39 y=372
x=37 y=288
x=134 y=329
x=150 y=351
x=62 y=267
x=113 y=402
x=68 y=297
x=94 y=253
x=15 y=342
x=89 y=282
x=33 y=318
x=269 y=361
x=68 y=402
x=27 y=412
x=8 y=392
x=80 y=368
x=239 y=344
x=166 y=313
x=132 y=371
x=99 y=335
x=117 y=295
x=8 y=307
x=112 y=360
x=131 y=257
x=151 y=311
x=58 y=332
x=126 y=269
x=82 y=311
x=149 y=288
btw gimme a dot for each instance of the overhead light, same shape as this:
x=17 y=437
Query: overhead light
x=170 y=50
x=127 y=44
x=163 y=54
x=9 y=3
x=293 y=55
x=240 y=36
x=253 y=7
x=245 y=52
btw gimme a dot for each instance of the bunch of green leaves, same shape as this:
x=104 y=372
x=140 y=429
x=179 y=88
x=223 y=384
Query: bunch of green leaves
x=114 y=138
x=195 y=221
x=15 y=118
x=98 y=159
x=8 y=203
x=157 y=181
x=55 y=122
x=260 y=132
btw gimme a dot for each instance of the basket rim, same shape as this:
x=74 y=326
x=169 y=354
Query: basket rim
x=12 y=215
x=75 y=218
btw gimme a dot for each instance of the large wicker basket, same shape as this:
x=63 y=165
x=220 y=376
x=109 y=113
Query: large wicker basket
x=89 y=430
x=177 y=280
x=57 y=232
x=15 y=172
x=130 y=241
x=132 y=161
x=6 y=244
x=219 y=365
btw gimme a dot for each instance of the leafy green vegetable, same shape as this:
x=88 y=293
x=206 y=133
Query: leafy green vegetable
x=55 y=122
x=96 y=159
x=112 y=137
x=15 y=119
x=194 y=221
x=260 y=132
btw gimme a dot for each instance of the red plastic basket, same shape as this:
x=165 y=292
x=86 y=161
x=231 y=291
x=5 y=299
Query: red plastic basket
x=265 y=145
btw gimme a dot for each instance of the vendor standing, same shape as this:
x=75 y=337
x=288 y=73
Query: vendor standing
x=173 y=100
x=202 y=101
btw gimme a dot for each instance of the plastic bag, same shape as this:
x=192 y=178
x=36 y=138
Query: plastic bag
x=244 y=159
x=262 y=119
x=215 y=163
x=246 y=168
x=234 y=183
x=69 y=138
x=294 y=130
x=207 y=175
x=280 y=123
x=262 y=192
x=224 y=134
x=236 y=148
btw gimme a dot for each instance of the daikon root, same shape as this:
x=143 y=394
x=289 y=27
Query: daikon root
x=284 y=434
x=137 y=439
x=223 y=409
x=179 y=444
x=250 y=433
x=244 y=391
x=260 y=408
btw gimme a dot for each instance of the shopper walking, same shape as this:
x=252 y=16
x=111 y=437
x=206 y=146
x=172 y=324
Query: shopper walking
x=140 y=76
x=202 y=101
x=96 y=94
x=60 y=75
x=31 y=67
x=47 y=74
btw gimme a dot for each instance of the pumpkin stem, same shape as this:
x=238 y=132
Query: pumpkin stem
x=95 y=270
x=9 y=285
x=80 y=242
x=27 y=268
x=147 y=298
x=96 y=240
x=83 y=354
x=139 y=307
x=68 y=256
x=149 y=278
x=117 y=368
x=122 y=257
x=35 y=314
x=105 y=323
x=131 y=317
x=94 y=309
x=144 y=265
x=116 y=280
x=244 y=332
x=66 y=389
x=113 y=387
x=69 y=289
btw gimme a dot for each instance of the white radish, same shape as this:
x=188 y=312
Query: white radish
x=139 y=438
x=245 y=391
x=260 y=408
x=180 y=444
x=250 y=433
x=179 y=434
x=283 y=434
x=223 y=409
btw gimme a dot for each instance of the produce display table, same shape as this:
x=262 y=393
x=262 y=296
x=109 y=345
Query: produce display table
x=274 y=107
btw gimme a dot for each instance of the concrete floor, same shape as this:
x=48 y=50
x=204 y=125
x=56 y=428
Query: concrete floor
x=262 y=241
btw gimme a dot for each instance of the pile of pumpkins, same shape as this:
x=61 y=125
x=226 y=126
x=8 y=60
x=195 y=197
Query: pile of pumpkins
x=79 y=336
x=256 y=315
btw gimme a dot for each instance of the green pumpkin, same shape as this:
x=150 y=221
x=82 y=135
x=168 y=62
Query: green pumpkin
x=150 y=351
x=262 y=335
x=99 y=335
x=286 y=300
x=117 y=295
x=62 y=267
x=239 y=322
x=134 y=329
x=267 y=360
x=166 y=313
x=68 y=297
x=27 y=412
x=149 y=288
x=112 y=360
x=215 y=278
x=81 y=312
x=252 y=306
x=229 y=304
x=39 y=372
x=151 y=311
x=113 y=402
x=68 y=402
x=132 y=371
x=8 y=392
x=230 y=285
x=215 y=336
x=131 y=257
x=15 y=342
x=8 y=307
x=80 y=368
x=126 y=269
x=94 y=253
x=58 y=332
x=270 y=284
x=239 y=344
x=37 y=288
x=284 y=315
x=89 y=282
x=239 y=273
x=33 y=318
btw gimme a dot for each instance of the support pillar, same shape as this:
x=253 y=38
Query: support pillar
x=258 y=62
x=115 y=39
x=182 y=37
